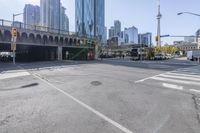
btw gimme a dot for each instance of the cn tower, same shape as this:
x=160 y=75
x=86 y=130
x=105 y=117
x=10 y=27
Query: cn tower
x=159 y=16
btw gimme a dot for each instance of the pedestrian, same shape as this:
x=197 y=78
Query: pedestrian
x=123 y=56
x=101 y=56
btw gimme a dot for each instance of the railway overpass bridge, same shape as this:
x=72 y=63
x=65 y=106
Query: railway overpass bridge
x=36 y=43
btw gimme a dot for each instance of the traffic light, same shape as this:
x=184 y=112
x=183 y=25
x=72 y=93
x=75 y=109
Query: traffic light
x=14 y=32
x=156 y=38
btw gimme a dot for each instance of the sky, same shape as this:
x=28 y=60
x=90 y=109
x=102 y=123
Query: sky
x=138 y=13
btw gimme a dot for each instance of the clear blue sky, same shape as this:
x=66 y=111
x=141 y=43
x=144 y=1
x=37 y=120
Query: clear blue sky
x=139 y=13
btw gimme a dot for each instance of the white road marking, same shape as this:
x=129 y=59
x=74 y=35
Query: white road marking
x=142 y=80
x=166 y=119
x=13 y=75
x=179 y=77
x=172 y=86
x=176 y=81
x=122 y=128
x=186 y=75
x=194 y=90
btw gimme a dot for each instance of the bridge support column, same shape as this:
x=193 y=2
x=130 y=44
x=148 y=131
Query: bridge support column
x=60 y=53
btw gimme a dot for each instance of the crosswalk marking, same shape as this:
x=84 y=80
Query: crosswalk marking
x=179 y=77
x=176 y=81
x=194 y=90
x=172 y=86
x=13 y=74
x=181 y=74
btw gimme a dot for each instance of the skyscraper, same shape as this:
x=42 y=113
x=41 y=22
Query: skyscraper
x=64 y=20
x=131 y=35
x=117 y=27
x=145 y=39
x=90 y=18
x=50 y=13
x=31 y=16
x=111 y=32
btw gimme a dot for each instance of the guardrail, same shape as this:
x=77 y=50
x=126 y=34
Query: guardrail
x=20 y=25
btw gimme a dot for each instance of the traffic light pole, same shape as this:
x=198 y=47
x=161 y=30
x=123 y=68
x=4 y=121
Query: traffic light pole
x=12 y=41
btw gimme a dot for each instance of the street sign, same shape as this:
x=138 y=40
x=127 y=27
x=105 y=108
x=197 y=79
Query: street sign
x=13 y=46
x=165 y=36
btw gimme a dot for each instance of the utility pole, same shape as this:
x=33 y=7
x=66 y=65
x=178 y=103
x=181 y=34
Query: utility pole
x=159 y=16
x=95 y=23
x=13 y=39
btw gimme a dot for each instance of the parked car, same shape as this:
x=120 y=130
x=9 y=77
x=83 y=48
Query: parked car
x=159 y=57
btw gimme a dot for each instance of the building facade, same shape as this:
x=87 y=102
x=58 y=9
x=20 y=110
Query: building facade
x=31 y=16
x=64 y=20
x=189 y=39
x=145 y=39
x=130 y=35
x=111 y=32
x=117 y=28
x=186 y=46
x=90 y=18
x=49 y=14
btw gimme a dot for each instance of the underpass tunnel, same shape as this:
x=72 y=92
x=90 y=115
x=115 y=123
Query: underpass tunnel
x=30 y=53
x=77 y=54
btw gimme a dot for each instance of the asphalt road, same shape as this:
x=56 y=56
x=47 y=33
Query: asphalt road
x=109 y=96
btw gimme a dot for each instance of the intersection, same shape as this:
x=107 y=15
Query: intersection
x=100 y=96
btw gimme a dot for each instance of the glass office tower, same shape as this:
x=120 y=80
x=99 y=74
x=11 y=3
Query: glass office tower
x=90 y=18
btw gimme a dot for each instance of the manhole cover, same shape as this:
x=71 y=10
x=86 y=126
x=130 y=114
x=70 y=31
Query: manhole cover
x=96 y=83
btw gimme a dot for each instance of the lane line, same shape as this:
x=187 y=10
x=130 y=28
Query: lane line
x=166 y=119
x=114 y=123
x=172 y=86
x=176 y=81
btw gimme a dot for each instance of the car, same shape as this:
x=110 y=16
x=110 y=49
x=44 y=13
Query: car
x=159 y=57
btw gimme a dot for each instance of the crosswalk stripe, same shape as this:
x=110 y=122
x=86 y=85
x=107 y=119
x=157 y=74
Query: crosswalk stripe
x=175 y=81
x=180 y=77
x=186 y=75
x=172 y=86
x=13 y=75
x=194 y=90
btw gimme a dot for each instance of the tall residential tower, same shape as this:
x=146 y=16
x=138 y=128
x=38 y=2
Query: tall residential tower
x=49 y=13
x=31 y=16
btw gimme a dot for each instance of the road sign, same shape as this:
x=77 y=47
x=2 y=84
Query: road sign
x=165 y=36
x=13 y=46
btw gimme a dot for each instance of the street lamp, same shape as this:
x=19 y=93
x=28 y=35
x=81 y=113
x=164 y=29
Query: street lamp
x=14 y=15
x=13 y=25
x=180 y=13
